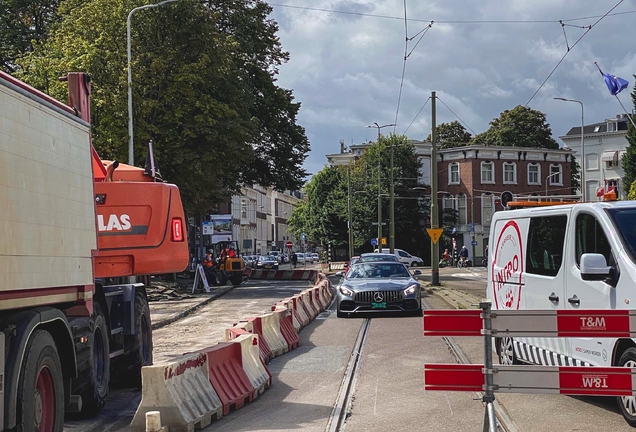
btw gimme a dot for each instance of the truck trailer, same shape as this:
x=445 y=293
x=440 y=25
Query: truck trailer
x=74 y=228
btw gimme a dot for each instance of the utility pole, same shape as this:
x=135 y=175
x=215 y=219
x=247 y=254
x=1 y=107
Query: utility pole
x=391 y=206
x=349 y=222
x=376 y=125
x=434 y=215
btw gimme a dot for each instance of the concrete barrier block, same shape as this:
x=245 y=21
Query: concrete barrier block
x=301 y=309
x=255 y=327
x=256 y=371
x=289 y=305
x=272 y=334
x=287 y=328
x=309 y=307
x=181 y=391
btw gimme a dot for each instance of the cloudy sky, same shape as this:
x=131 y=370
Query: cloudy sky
x=481 y=58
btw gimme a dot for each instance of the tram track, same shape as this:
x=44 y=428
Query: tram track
x=342 y=406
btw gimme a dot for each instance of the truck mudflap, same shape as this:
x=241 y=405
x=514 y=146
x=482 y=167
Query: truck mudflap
x=18 y=328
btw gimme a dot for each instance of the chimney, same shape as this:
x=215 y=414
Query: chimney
x=342 y=146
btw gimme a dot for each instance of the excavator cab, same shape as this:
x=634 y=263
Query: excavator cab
x=230 y=265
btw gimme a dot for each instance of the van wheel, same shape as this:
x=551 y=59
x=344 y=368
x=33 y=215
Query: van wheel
x=506 y=351
x=414 y=263
x=627 y=404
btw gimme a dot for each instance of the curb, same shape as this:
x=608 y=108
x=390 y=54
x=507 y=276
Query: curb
x=188 y=311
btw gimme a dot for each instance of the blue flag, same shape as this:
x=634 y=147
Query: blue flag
x=615 y=84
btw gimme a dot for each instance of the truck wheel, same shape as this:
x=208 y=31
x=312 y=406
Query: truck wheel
x=236 y=279
x=138 y=346
x=506 y=351
x=627 y=404
x=40 y=404
x=93 y=361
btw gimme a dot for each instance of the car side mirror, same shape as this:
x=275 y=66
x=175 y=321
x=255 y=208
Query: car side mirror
x=340 y=274
x=594 y=267
x=417 y=273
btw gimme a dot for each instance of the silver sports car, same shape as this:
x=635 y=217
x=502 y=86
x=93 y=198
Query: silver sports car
x=373 y=288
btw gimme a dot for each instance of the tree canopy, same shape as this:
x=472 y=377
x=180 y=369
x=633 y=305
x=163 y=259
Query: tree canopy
x=629 y=159
x=204 y=90
x=324 y=214
x=518 y=127
x=451 y=134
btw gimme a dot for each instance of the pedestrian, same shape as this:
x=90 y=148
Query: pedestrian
x=294 y=259
x=463 y=255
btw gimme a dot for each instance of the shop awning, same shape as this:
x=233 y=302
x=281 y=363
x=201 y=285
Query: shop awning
x=609 y=156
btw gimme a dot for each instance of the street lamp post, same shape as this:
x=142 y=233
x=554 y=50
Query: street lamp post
x=583 y=185
x=546 y=182
x=131 y=153
x=376 y=125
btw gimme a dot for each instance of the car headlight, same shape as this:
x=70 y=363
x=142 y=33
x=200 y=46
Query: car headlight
x=346 y=291
x=411 y=289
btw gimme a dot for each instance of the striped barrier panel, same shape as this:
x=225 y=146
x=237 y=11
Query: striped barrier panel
x=287 y=328
x=255 y=327
x=225 y=366
x=283 y=274
x=181 y=391
x=312 y=302
x=271 y=332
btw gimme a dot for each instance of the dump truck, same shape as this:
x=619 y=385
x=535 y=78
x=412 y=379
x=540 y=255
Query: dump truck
x=76 y=232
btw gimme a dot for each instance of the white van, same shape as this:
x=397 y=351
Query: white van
x=566 y=257
x=404 y=257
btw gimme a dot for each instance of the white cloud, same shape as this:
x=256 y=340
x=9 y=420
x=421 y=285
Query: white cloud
x=346 y=69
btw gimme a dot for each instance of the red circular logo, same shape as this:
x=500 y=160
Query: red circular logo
x=507 y=267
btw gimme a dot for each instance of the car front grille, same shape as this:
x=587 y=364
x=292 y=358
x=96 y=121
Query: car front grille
x=387 y=296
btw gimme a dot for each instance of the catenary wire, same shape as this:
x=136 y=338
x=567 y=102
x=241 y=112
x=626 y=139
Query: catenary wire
x=570 y=49
x=416 y=116
x=406 y=47
x=462 y=121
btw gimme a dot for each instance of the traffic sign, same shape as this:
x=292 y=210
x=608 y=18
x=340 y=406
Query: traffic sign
x=474 y=242
x=383 y=241
x=435 y=234
x=303 y=236
x=374 y=242
x=289 y=245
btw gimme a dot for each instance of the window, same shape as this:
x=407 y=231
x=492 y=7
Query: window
x=611 y=126
x=487 y=172
x=510 y=173
x=461 y=209
x=534 y=174
x=590 y=238
x=487 y=209
x=555 y=175
x=546 y=237
x=453 y=173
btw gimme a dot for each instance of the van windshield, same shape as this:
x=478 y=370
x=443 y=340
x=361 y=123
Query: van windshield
x=624 y=221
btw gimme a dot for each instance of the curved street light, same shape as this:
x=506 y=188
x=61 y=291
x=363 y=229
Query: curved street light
x=131 y=153
x=583 y=185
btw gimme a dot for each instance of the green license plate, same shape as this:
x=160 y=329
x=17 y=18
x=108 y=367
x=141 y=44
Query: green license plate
x=381 y=305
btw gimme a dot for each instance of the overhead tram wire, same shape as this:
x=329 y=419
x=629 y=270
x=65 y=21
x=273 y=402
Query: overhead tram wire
x=416 y=115
x=462 y=121
x=406 y=47
x=448 y=21
x=570 y=49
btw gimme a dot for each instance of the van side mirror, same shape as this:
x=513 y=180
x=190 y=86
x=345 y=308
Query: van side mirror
x=594 y=267
x=417 y=273
x=340 y=274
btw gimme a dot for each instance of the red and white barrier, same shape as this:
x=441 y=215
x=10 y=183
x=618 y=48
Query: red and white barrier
x=287 y=328
x=251 y=326
x=181 y=391
x=284 y=274
x=272 y=334
x=256 y=371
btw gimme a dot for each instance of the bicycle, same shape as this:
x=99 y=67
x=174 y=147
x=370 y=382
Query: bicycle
x=464 y=262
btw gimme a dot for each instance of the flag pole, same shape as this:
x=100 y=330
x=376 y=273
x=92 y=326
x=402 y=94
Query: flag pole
x=629 y=116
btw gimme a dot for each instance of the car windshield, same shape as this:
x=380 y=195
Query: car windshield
x=378 y=270
x=624 y=220
x=266 y=258
x=378 y=257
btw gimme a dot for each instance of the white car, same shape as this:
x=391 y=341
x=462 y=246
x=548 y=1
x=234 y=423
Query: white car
x=301 y=257
x=404 y=257
x=309 y=259
x=315 y=257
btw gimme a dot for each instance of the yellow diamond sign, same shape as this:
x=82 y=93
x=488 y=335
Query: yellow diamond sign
x=435 y=233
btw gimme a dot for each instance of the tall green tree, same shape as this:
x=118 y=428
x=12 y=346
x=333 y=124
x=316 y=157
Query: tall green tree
x=203 y=91
x=451 y=134
x=518 y=127
x=324 y=215
x=23 y=23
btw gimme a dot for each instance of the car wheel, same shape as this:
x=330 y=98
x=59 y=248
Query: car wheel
x=414 y=263
x=506 y=351
x=627 y=404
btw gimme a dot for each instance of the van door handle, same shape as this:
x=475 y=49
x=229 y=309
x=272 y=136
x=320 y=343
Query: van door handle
x=553 y=298
x=574 y=300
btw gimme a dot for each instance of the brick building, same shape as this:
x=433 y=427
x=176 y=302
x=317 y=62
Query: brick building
x=471 y=181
